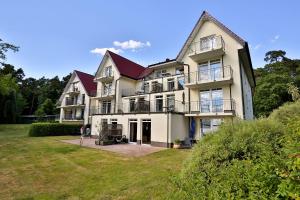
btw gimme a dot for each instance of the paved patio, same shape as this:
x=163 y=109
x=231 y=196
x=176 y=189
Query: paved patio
x=130 y=150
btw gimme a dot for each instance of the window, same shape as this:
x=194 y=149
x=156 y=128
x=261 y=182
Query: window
x=171 y=84
x=83 y=99
x=106 y=107
x=146 y=87
x=209 y=125
x=131 y=105
x=211 y=70
x=107 y=71
x=114 y=123
x=180 y=83
x=171 y=102
x=208 y=43
x=179 y=71
x=211 y=101
x=160 y=73
x=159 y=103
x=107 y=89
x=156 y=87
x=82 y=113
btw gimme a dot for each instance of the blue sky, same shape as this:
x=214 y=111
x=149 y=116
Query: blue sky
x=56 y=37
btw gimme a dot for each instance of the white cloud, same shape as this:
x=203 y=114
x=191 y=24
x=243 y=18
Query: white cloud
x=102 y=51
x=275 y=38
x=256 y=47
x=131 y=44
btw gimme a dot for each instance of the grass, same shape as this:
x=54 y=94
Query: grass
x=46 y=168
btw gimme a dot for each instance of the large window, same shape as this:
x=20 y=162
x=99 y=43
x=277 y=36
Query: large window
x=180 y=83
x=211 y=101
x=131 y=105
x=171 y=84
x=211 y=70
x=107 y=89
x=171 y=102
x=159 y=103
x=208 y=43
x=106 y=107
x=107 y=71
x=209 y=125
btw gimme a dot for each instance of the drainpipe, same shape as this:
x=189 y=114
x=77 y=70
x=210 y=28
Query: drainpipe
x=189 y=91
x=117 y=81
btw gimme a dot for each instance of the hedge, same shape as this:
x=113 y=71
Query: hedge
x=53 y=129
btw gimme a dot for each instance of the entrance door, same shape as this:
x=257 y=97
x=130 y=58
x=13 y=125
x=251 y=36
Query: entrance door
x=133 y=131
x=146 y=132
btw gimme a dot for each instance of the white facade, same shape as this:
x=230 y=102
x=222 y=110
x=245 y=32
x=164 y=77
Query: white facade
x=210 y=81
x=74 y=102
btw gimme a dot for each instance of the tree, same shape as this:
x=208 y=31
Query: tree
x=275 y=56
x=46 y=108
x=4 y=47
x=10 y=69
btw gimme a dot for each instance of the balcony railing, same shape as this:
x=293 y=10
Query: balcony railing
x=103 y=93
x=142 y=107
x=211 y=106
x=71 y=117
x=207 y=75
x=106 y=76
x=155 y=88
x=72 y=102
x=205 y=45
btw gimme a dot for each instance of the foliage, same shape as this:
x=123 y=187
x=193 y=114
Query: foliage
x=4 y=47
x=294 y=92
x=53 y=129
x=46 y=108
x=272 y=82
x=11 y=100
x=177 y=141
x=247 y=160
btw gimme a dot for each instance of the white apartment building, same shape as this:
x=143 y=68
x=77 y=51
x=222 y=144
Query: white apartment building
x=210 y=80
x=74 y=103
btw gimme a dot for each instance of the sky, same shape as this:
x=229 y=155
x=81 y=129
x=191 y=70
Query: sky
x=56 y=37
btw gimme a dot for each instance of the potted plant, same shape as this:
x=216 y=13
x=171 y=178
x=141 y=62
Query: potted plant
x=177 y=144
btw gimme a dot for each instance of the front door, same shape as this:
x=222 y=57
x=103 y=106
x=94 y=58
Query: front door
x=133 y=131
x=146 y=132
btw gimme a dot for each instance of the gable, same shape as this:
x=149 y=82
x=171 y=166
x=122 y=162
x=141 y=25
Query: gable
x=209 y=25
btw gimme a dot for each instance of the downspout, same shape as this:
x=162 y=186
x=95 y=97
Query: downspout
x=189 y=91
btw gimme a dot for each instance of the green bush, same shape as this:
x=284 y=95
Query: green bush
x=257 y=159
x=53 y=129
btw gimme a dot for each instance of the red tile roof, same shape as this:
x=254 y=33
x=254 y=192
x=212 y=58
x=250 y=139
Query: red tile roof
x=87 y=81
x=127 y=67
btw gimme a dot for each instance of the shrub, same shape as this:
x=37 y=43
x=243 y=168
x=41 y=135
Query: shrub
x=237 y=161
x=246 y=160
x=286 y=112
x=53 y=129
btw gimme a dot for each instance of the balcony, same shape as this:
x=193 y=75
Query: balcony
x=73 y=91
x=140 y=107
x=155 y=88
x=103 y=94
x=72 y=103
x=206 y=48
x=204 y=79
x=70 y=117
x=106 y=77
x=211 y=108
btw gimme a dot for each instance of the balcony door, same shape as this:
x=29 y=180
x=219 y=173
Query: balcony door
x=208 y=43
x=211 y=101
x=211 y=70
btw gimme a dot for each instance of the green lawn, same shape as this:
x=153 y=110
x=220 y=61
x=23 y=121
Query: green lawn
x=45 y=168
